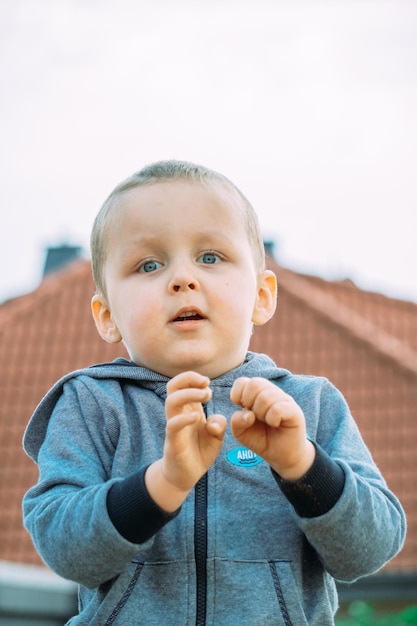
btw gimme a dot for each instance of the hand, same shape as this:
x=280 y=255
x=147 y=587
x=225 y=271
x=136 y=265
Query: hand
x=192 y=442
x=272 y=425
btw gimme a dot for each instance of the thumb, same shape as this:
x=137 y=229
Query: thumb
x=241 y=421
x=216 y=426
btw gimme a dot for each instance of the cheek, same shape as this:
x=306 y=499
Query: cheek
x=238 y=299
x=148 y=313
x=244 y=290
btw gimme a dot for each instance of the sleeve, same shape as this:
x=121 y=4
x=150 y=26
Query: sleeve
x=318 y=490
x=74 y=513
x=132 y=510
x=343 y=504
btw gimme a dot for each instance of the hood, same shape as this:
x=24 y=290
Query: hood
x=124 y=371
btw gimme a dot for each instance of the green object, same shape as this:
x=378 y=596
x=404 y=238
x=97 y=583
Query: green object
x=364 y=614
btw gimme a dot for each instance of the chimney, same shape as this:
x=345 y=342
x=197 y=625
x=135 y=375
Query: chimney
x=269 y=246
x=59 y=256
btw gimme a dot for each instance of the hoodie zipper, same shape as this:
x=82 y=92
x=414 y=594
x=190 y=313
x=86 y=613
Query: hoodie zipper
x=200 y=549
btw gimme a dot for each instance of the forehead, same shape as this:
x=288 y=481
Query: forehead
x=165 y=204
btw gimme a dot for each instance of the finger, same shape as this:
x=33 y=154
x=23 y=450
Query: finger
x=273 y=415
x=265 y=399
x=181 y=421
x=242 y=421
x=266 y=405
x=185 y=399
x=237 y=390
x=216 y=426
x=285 y=412
x=186 y=380
x=248 y=389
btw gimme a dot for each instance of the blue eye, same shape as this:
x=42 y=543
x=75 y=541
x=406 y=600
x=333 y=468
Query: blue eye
x=150 y=266
x=209 y=258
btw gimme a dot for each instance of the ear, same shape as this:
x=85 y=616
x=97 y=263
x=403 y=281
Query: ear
x=104 y=321
x=266 y=300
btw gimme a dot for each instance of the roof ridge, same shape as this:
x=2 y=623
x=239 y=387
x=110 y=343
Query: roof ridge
x=355 y=324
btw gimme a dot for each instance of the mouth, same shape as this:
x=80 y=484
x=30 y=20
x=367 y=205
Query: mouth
x=188 y=315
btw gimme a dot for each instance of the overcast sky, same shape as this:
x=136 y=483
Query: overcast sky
x=310 y=107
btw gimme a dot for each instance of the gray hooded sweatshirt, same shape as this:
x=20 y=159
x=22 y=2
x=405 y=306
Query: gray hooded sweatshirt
x=246 y=547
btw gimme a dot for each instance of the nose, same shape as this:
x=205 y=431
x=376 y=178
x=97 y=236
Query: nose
x=183 y=280
x=179 y=287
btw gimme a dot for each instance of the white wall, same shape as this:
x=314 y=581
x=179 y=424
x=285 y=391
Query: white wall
x=34 y=596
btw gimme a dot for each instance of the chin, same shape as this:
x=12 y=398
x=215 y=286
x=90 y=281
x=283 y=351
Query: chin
x=203 y=367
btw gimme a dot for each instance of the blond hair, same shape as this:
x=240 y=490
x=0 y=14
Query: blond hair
x=159 y=172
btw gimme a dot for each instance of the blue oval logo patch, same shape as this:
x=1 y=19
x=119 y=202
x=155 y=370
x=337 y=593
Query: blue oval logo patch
x=242 y=457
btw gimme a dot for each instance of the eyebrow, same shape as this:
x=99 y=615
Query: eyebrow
x=211 y=236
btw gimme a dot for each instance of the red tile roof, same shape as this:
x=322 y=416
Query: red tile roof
x=364 y=342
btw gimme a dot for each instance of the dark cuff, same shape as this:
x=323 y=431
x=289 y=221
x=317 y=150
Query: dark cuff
x=133 y=512
x=318 y=490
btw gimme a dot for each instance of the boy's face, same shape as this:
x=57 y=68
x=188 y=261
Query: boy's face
x=182 y=287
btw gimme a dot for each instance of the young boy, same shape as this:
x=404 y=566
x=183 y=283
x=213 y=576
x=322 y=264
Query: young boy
x=198 y=483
